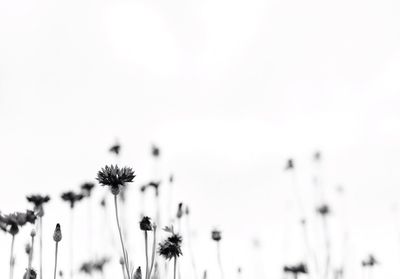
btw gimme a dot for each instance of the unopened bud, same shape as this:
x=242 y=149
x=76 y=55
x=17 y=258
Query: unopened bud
x=57 y=236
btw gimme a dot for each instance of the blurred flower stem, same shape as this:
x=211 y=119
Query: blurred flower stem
x=121 y=238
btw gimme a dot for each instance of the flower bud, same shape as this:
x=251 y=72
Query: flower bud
x=57 y=236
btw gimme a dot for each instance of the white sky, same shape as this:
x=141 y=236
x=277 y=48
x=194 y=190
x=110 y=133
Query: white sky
x=229 y=90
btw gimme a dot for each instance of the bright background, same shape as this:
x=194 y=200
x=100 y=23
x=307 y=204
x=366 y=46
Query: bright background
x=229 y=90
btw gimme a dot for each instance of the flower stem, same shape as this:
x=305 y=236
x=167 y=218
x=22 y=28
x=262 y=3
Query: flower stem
x=147 y=254
x=30 y=258
x=41 y=247
x=174 y=267
x=121 y=238
x=153 y=256
x=55 y=261
x=12 y=257
x=219 y=259
x=71 y=251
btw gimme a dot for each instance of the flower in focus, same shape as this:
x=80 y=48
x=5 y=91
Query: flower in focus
x=57 y=236
x=115 y=177
x=171 y=247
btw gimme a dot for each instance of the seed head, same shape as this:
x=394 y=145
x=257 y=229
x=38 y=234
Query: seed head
x=57 y=236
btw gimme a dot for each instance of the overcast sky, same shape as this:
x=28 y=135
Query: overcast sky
x=229 y=90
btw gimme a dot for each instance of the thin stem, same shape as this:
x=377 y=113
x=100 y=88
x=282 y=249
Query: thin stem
x=327 y=247
x=120 y=236
x=30 y=258
x=12 y=257
x=190 y=248
x=219 y=259
x=174 y=267
x=123 y=270
x=41 y=247
x=71 y=251
x=55 y=261
x=147 y=254
x=153 y=256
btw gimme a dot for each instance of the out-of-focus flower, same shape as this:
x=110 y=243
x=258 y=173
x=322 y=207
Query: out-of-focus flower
x=289 y=164
x=115 y=177
x=32 y=274
x=155 y=151
x=28 y=248
x=71 y=198
x=87 y=188
x=317 y=156
x=323 y=210
x=116 y=148
x=179 y=213
x=216 y=235
x=10 y=223
x=145 y=224
x=296 y=269
x=138 y=273
x=38 y=202
x=370 y=261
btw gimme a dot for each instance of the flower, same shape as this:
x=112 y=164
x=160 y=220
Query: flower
x=38 y=201
x=370 y=261
x=145 y=224
x=155 y=151
x=296 y=269
x=137 y=274
x=71 y=197
x=57 y=236
x=28 y=248
x=87 y=188
x=115 y=177
x=154 y=184
x=216 y=235
x=171 y=247
x=317 y=156
x=10 y=223
x=32 y=274
x=289 y=164
x=323 y=209
x=179 y=213
x=115 y=148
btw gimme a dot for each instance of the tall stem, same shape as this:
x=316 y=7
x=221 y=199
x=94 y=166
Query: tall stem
x=121 y=238
x=174 y=267
x=147 y=254
x=71 y=251
x=30 y=259
x=12 y=257
x=153 y=255
x=55 y=261
x=219 y=259
x=41 y=247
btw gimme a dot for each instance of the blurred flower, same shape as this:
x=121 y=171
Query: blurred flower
x=137 y=274
x=370 y=261
x=171 y=178
x=10 y=223
x=317 y=156
x=155 y=151
x=86 y=268
x=32 y=274
x=289 y=164
x=171 y=247
x=296 y=269
x=115 y=148
x=115 y=177
x=57 y=236
x=38 y=202
x=28 y=248
x=323 y=210
x=71 y=197
x=216 y=235
x=179 y=213
x=87 y=188
x=145 y=224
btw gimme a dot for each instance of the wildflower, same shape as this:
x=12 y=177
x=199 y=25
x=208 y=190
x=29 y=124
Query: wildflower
x=87 y=188
x=115 y=149
x=30 y=274
x=296 y=269
x=115 y=177
x=137 y=274
x=57 y=236
x=323 y=210
x=145 y=224
x=216 y=235
x=370 y=261
x=179 y=213
x=171 y=247
x=71 y=197
x=155 y=151
x=289 y=164
x=38 y=202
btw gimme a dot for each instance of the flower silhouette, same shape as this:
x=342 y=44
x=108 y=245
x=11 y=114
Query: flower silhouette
x=71 y=198
x=115 y=177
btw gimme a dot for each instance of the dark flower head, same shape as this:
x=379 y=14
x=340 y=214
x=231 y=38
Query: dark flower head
x=103 y=202
x=296 y=269
x=71 y=198
x=323 y=210
x=115 y=177
x=57 y=236
x=317 y=156
x=10 y=223
x=32 y=274
x=370 y=261
x=171 y=247
x=98 y=265
x=155 y=151
x=87 y=188
x=38 y=200
x=171 y=178
x=28 y=248
x=138 y=273
x=116 y=148
x=145 y=224
x=179 y=213
x=216 y=235
x=289 y=164
x=86 y=268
